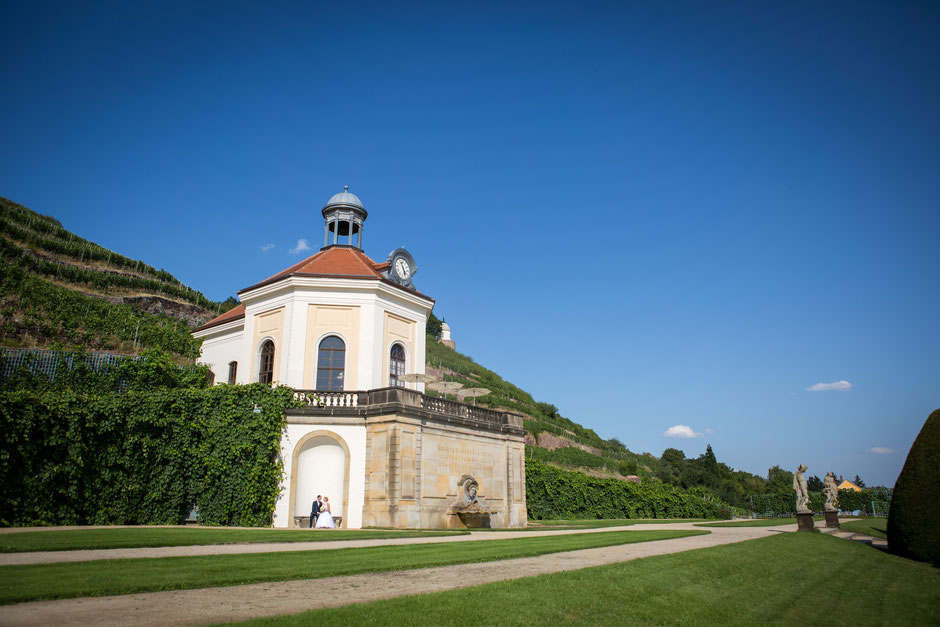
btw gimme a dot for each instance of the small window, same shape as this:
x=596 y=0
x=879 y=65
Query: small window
x=232 y=371
x=266 y=372
x=396 y=366
x=331 y=364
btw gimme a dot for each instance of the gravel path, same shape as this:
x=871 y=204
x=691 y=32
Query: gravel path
x=231 y=603
x=49 y=557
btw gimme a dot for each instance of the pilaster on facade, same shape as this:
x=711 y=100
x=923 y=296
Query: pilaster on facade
x=394 y=465
x=418 y=464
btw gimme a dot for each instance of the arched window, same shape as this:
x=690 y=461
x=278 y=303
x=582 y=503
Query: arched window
x=396 y=366
x=232 y=370
x=266 y=372
x=331 y=362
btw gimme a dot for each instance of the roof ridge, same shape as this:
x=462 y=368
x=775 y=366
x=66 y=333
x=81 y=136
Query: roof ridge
x=294 y=267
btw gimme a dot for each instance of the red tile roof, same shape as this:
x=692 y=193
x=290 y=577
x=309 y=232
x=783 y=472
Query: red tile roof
x=335 y=261
x=238 y=311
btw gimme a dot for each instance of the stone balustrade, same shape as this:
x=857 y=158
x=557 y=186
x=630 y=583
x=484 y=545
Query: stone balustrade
x=328 y=399
x=372 y=401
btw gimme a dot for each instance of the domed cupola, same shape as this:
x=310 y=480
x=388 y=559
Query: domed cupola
x=344 y=215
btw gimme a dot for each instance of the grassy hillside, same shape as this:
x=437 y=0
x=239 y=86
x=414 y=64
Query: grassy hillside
x=59 y=290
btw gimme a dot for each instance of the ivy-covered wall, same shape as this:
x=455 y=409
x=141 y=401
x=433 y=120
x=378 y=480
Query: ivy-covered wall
x=141 y=444
x=553 y=493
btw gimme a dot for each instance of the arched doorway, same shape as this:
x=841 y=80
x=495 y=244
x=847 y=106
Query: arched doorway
x=320 y=466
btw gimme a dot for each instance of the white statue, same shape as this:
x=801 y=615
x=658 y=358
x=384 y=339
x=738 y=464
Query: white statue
x=802 y=492
x=832 y=492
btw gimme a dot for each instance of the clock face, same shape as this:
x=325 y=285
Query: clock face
x=402 y=268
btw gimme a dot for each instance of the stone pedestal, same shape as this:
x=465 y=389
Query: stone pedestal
x=832 y=520
x=805 y=522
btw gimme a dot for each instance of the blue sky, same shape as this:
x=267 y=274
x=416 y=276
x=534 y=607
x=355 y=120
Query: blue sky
x=649 y=214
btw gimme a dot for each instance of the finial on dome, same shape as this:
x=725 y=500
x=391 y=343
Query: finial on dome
x=346 y=188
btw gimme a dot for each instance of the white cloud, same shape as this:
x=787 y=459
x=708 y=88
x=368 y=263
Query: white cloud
x=880 y=450
x=301 y=247
x=682 y=431
x=837 y=386
x=267 y=247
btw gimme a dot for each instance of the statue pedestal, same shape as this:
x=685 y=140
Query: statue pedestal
x=832 y=520
x=804 y=522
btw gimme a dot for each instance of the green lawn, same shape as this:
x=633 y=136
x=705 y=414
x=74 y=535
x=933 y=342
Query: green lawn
x=758 y=522
x=877 y=527
x=104 y=577
x=784 y=579
x=123 y=537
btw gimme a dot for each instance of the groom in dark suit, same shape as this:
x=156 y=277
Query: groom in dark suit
x=315 y=511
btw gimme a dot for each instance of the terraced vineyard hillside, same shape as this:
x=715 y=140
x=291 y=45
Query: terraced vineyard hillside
x=62 y=291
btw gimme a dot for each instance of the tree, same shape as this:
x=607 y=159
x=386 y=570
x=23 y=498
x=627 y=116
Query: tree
x=779 y=480
x=710 y=462
x=673 y=457
x=814 y=484
x=912 y=519
x=627 y=468
x=433 y=326
x=858 y=481
x=548 y=409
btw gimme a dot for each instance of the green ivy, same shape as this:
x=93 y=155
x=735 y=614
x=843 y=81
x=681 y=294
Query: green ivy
x=81 y=451
x=553 y=493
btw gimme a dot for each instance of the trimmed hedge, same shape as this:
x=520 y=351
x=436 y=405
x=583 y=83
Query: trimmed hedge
x=784 y=503
x=81 y=451
x=850 y=500
x=915 y=508
x=553 y=493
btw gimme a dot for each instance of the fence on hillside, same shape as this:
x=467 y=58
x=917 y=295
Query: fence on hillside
x=48 y=362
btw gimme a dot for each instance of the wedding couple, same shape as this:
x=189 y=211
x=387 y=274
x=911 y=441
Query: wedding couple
x=321 y=516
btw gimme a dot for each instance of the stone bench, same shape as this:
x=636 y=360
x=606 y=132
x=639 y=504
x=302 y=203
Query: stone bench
x=303 y=522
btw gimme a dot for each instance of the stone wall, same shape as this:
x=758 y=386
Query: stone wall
x=413 y=467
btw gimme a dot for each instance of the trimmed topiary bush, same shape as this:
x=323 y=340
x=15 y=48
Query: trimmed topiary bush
x=915 y=507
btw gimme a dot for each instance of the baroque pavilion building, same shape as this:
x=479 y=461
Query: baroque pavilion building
x=345 y=332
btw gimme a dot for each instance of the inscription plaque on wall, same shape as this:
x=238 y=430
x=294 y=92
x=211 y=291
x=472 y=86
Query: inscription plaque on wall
x=464 y=458
x=445 y=460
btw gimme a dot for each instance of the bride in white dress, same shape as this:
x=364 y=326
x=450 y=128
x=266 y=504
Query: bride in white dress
x=325 y=519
